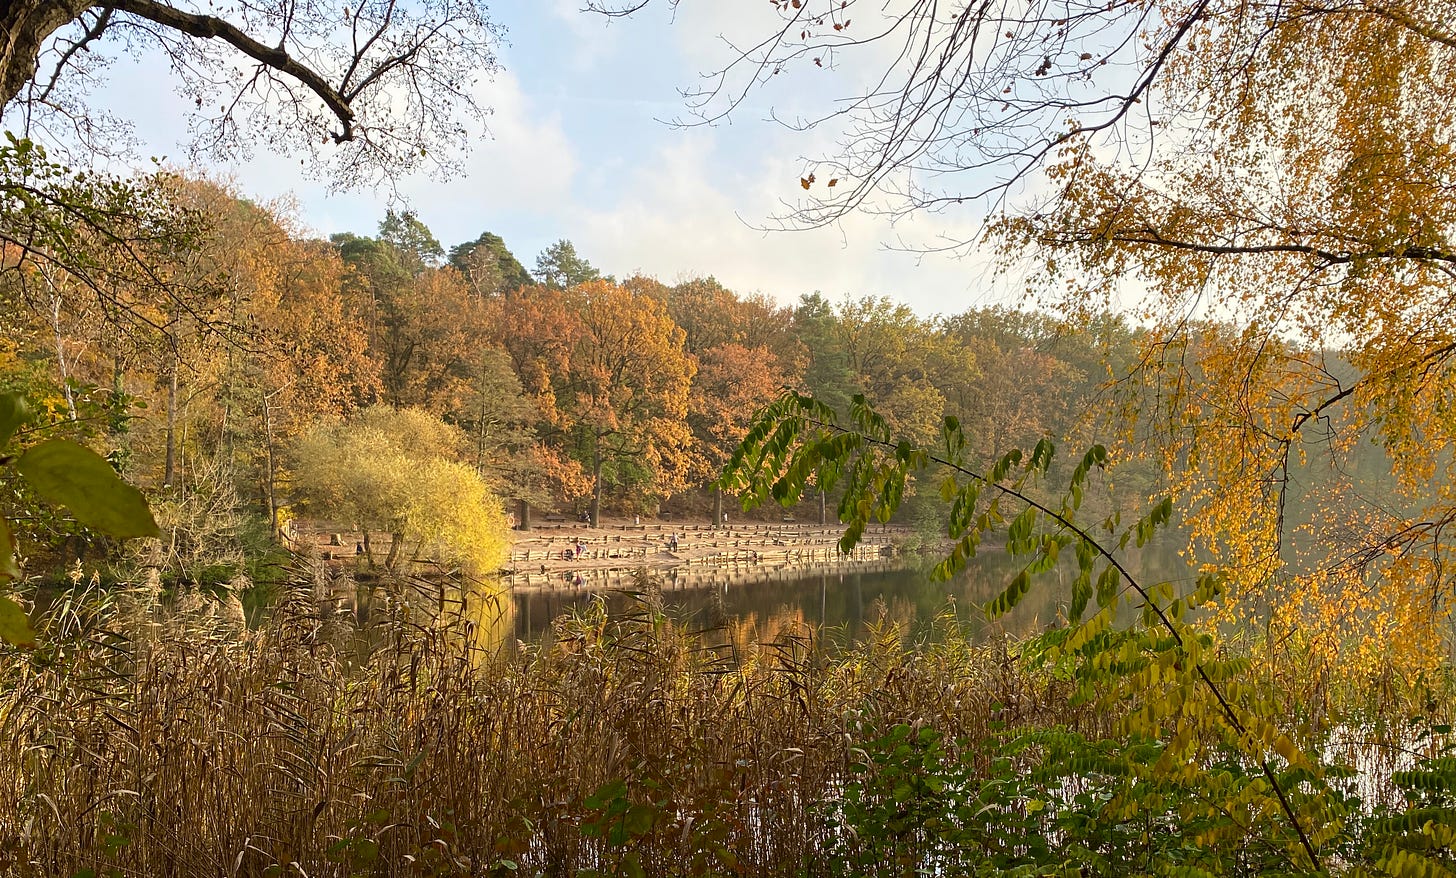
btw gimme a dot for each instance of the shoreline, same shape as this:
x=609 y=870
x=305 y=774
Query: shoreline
x=545 y=557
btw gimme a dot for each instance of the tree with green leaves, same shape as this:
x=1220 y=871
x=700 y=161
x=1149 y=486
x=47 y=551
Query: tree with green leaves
x=1161 y=680
x=489 y=266
x=411 y=239
x=423 y=320
x=560 y=268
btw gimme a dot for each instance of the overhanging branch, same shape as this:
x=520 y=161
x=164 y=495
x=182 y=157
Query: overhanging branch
x=210 y=27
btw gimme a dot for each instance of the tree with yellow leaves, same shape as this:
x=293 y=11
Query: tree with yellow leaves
x=394 y=470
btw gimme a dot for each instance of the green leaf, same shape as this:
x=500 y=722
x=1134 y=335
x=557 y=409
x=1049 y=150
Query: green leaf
x=632 y=866
x=607 y=792
x=14 y=624
x=13 y=413
x=640 y=819
x=1107 y=586
x=81 y=480
x=9 y=569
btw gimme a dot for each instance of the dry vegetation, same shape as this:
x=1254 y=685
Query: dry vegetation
x=197 y=748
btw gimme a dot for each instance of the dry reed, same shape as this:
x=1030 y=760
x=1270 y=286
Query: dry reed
x=189 y=747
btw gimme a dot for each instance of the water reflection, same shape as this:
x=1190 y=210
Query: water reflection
x=844 y=602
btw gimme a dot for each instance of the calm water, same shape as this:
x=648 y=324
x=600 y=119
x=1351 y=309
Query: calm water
x=845 y=602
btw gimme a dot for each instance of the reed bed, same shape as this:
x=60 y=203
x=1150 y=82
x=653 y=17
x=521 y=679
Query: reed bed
x=147 y=744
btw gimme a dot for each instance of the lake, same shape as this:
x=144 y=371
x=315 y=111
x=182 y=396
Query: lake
x=845 y=601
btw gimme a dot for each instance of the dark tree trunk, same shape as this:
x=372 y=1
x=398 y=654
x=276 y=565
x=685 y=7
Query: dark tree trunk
x=596 y=501
x=25 y=25
x=396 y=544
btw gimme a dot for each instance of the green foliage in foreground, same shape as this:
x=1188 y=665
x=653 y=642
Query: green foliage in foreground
x=1202 y=757
x=65 y=474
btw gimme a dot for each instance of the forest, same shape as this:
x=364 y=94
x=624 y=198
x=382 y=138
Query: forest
x=250 y=388
x=1229 y=227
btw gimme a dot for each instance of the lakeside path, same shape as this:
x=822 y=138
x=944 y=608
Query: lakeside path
x=546 y=556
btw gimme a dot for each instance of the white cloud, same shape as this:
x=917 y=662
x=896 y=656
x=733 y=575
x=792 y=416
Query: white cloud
x=526 y=164
x=686 y=216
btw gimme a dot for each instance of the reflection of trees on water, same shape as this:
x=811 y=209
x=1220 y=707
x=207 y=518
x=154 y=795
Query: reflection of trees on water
x=843 y=605
x=479 y=611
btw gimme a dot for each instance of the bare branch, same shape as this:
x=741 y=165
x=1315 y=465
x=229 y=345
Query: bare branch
x=211 y=27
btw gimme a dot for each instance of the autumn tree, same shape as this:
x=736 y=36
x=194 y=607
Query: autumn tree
x=372 y=94
x=501 y=421
x=732 y=384
x=896 y=357
x=627 y=393
x=711 y=315
x=745 y=353
x=397 y=471
x=313 y=360
x=538 y=329
x=1017 y=391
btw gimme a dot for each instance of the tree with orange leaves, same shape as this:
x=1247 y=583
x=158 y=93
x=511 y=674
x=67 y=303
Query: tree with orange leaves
x=627 y=393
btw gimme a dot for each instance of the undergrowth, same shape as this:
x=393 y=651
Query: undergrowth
x=623 y=747
x=191 y=746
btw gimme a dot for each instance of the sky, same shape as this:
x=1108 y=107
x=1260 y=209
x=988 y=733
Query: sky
x=579 y=148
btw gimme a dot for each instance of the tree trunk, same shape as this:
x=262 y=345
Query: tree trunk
x=60 y=342
x=368 y=551
x=270 y=477
x=25 y=26
x=823 y=510
x=717 y=506
x=523 y=516
x=116 y=405
x=396 y=544
x=169 y=472
x=596 y=501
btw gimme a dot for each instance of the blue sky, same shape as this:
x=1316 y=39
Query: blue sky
x=577 y=150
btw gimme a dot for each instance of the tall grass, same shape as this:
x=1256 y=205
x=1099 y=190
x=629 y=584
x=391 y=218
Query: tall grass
x=135 y=745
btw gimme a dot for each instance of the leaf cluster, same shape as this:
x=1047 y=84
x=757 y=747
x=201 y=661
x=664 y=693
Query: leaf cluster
x=66 y=474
